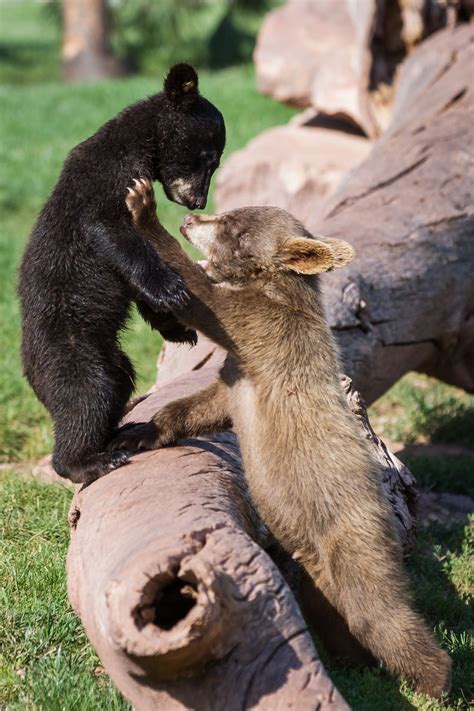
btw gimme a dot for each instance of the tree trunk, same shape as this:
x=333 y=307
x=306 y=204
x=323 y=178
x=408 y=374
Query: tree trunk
x=85 y=50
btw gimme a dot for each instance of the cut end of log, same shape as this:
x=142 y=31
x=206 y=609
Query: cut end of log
x=167 y=606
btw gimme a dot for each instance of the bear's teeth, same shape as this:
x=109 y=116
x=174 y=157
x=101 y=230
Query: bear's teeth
x=203 y=263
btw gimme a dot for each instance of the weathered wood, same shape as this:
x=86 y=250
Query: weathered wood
x=167 y=570
x=295 y=167
x=407 y=301
x=184 y=607
x=341 y=58
x=316 y=53
x=398 y=482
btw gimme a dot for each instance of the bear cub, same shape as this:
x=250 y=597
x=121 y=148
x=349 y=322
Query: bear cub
x=311 y=474
x=85 y=263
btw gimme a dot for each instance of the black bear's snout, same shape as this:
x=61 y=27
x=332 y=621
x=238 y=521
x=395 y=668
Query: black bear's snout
x=200 y=203
x=194 y=202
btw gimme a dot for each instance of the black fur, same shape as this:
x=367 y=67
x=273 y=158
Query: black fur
x=85 y=263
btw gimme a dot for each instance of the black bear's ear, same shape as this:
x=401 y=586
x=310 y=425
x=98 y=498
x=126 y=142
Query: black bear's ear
x=181 y=84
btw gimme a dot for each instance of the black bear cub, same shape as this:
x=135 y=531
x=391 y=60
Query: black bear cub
x=85 y=263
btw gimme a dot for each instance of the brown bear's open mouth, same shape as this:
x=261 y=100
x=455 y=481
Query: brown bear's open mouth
x=182 y=229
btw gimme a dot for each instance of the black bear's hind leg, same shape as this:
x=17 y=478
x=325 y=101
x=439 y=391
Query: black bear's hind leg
x=86 y=470
x=83 y=428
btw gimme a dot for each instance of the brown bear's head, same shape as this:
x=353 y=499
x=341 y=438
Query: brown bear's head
x=255 y=241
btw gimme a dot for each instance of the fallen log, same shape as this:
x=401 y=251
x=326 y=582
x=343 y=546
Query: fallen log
x=295 y=167
x=183 y=606
x=407 y=301
x=341 y=58
x=317 y=54
x=170 y=578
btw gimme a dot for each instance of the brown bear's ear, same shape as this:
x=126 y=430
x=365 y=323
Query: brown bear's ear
x=181 y=84
x=313 y=256
x=343 y=252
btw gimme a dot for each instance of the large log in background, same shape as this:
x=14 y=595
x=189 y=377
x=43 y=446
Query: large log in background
x=407 y=301
x=341 y=58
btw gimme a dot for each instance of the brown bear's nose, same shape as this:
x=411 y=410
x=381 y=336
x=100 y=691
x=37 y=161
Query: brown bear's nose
x=188 y=220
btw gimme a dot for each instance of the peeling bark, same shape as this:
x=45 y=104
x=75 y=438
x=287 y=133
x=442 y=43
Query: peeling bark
x=398 y=483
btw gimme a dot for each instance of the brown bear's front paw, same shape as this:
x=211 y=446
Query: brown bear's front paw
x=134 y=437
x=141 y=203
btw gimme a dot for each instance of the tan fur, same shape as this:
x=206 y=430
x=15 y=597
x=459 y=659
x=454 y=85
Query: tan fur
x=310 y=472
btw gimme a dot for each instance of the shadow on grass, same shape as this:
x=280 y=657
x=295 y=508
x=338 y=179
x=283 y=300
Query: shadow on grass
x=229 y=44
x=441 y=468
x=22 y=62
x=452 y=427
x=441 y=576
x=439 y=572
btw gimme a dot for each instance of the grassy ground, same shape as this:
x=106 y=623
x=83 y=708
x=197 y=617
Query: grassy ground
x=46 y=662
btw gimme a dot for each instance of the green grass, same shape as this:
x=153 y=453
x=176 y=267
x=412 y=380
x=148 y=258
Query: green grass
x=29 y=42
x=435 y=425
x=442 y=578
x=45 y=659
x=423 y=409
x=451 y=473
x=46 y=662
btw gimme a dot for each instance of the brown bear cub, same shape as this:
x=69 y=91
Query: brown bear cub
x=310 y=472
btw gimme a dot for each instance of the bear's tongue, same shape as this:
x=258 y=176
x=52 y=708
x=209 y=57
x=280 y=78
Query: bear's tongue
x=203 y=263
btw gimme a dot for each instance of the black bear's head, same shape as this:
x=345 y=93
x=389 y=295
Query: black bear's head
x=193 y=140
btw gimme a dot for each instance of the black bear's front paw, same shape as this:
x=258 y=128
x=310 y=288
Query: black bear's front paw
x=168 y=289
x=141 y=203
x=180 y=334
